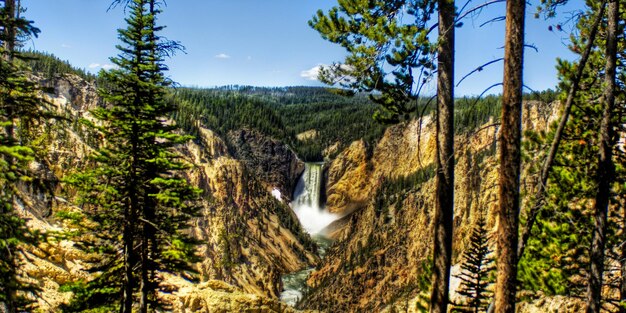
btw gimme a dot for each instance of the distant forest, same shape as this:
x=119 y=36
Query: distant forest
x=285 y=112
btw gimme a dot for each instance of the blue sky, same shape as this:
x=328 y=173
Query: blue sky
x=269 y=43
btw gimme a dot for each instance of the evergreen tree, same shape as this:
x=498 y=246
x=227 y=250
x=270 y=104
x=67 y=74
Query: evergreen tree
x=559 y=249
x=136 y=192
x=605 y=174
x=377 y=38
x=19 y=108
x=476 y=275
x=444 y=166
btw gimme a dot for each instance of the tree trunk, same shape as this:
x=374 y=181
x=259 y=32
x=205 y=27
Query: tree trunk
x=10 y=31
x=149 y=246
x=129 y=260
x=144 y=285
x=510 y=138
x=622 y=285
x=9 y=47
x=554 y=147
x=606 y=169
x=444 y=209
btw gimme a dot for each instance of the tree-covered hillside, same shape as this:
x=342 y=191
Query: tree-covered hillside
x=321 y=117
x=324 y=118
x=281 y=112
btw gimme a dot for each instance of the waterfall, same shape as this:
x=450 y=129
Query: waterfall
x=306 y=200
x=314 y=218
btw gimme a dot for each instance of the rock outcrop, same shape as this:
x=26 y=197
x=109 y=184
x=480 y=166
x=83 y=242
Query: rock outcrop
x=273 y=162
x=383 y=243
x=249 y=238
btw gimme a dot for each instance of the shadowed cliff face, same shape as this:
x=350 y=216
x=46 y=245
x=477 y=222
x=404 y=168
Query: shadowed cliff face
x=271 y=161
x=384 y=241
x=249 y=238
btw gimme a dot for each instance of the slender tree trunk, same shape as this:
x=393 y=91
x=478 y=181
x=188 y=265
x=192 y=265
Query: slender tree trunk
x=606 y=169
x=10 y=31
x=144 y=285
x=444 y=209
x=554 y=147
x=148 y=239
x=9 y=47
x=129 y=260
x=510 y=138
x=622 y=286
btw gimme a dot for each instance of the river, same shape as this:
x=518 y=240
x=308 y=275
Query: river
x=314 y=218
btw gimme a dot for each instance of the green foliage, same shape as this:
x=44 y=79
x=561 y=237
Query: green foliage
x=424 y=284
x=386 y=54
x=281 y=113
x=337 y=120
x=223 y=111
x=49 y=66
x=557 y=256
x=390 y=189
x=476 y=273
x=20 y=108
x=135 y=199
x=470 y=113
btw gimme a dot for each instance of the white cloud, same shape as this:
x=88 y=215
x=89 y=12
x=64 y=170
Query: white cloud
x=107 y=66
x=223 y=56
x=64 y=45
x=312 y=73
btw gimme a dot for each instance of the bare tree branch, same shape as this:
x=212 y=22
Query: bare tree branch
x=478 y=69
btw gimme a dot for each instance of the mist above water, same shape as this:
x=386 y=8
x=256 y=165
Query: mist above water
x=306 y=200
x=314 y=218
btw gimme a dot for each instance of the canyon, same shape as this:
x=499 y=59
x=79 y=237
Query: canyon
x=351 y=234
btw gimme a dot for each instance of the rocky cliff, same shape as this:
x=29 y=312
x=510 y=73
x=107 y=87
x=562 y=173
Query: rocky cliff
x=249 y=237
x=270 y=160
x=384 y=240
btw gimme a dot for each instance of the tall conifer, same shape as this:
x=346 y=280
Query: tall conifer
x=377 y=40
x=19 y=105
x=137 y=193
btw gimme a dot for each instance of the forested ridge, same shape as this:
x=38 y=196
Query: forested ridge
x=336 y=115
x=534 y=181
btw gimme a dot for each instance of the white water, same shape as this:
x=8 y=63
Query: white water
x=314 y=218
x=276 y=193
x=306 y=200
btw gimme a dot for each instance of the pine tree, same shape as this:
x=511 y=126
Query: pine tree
x=476 y=273
x=559 y=248
x=444 y=179
x=19 y=107
x=377 y=39
x=605 y=174
x=136 y=192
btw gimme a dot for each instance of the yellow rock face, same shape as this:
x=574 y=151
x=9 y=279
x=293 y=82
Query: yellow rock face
x=249 y=238
x=349 y=180
x=385 y=239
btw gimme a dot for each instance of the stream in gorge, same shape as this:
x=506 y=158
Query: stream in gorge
x=314 y=218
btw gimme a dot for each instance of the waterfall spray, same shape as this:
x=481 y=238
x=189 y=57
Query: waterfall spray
x=306 y=200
